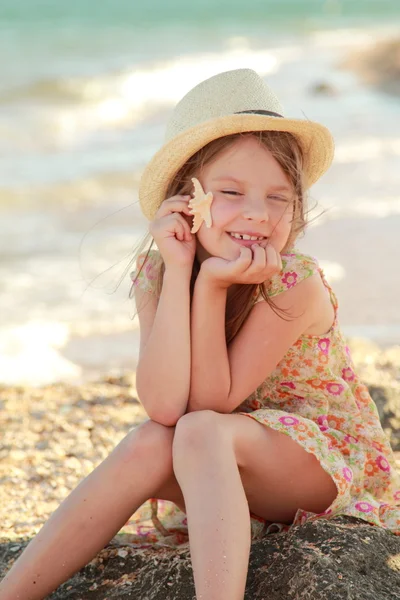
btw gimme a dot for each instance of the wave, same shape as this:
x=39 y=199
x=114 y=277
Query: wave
x=30 y=354
x=367 y=148
x=76 y=106
x=102 y=189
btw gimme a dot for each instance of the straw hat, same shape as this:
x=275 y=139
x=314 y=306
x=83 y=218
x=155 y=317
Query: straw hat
x=232 y=102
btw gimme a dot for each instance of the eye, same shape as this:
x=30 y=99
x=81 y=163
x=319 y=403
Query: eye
x=231 y=192
x=279 y=198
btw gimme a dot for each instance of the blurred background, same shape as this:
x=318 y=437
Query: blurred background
x=85 y=92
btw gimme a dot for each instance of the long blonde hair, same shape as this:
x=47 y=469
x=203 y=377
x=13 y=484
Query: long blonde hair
x=287 y=151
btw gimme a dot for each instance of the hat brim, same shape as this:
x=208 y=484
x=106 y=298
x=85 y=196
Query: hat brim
x=315 y=140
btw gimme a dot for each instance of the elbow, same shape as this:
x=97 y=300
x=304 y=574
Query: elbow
x=165 y=417
x=160 y=411
x=160 y=406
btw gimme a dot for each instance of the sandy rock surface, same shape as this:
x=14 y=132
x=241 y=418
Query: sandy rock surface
x=54 y=436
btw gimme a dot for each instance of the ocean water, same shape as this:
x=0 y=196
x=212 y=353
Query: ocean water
x=85 y=91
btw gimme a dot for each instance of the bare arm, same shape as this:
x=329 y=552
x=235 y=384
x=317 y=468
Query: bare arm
x=210 y=371
x=222 y=378
x=163 y=372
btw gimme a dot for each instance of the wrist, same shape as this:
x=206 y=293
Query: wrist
x=178 y=273
x=216 y=285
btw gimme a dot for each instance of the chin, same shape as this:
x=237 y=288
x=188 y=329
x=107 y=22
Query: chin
x=229 y=253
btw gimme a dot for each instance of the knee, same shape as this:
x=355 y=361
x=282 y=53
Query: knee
x=195 y=429
x=147 y=438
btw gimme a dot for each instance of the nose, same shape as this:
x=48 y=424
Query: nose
x=255 y=208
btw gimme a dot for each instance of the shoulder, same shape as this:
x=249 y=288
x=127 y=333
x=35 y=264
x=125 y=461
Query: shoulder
x=296 y=267
x=145 y=275
x=150 y=257
x=301 y=285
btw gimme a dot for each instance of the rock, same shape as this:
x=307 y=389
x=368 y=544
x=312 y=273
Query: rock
x=387 y=400
x=379 y=65
x=46 y=458
x=325 y=560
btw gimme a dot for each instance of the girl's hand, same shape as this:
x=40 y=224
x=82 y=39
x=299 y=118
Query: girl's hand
x=254 y=265
x=171 y=232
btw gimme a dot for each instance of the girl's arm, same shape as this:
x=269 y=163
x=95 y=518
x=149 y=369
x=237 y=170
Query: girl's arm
x=221 y=377
x=163 y=371
x=210 y=379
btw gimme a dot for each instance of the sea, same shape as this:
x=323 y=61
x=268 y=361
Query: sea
x=85 y=92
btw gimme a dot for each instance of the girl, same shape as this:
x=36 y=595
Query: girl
x=255 y=411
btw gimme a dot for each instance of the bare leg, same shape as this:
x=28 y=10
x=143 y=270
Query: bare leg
x=216 y=506
x=93 y=513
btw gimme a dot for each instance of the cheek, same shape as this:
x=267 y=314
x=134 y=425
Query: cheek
x=284 y=222
x=221 y=213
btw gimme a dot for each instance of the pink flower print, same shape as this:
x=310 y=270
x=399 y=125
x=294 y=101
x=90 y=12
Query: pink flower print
x=290 y=279
x=289 y=421
x=364 y=507
x=289 y=384
x=348 y=474
x=324 y=344
x=335 y=388
x=150 y=271
x=348 y=374
x=350 y=439
x=323 y=422
x=326 y=512
x=383 y=463
x=378 y=446
x=396 y=495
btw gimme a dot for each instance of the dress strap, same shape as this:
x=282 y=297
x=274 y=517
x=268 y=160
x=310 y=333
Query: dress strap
x=332 y=294
x=295 y=268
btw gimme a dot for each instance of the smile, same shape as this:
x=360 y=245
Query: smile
x=245 y=239
x=245 y=236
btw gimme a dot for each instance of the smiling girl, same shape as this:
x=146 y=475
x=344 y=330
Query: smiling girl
x=256 y=414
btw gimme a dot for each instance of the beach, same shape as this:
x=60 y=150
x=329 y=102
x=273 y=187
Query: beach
x=81 y=118
x=56 y=435
x=84 y=99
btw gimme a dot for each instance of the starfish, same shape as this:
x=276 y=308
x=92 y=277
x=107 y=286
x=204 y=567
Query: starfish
x=200 y=206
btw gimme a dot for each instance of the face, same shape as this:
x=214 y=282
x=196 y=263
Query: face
x=252 y=196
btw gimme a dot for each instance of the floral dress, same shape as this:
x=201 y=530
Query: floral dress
x=315 y=397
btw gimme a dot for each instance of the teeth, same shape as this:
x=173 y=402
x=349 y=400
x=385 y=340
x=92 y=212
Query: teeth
x=245 y=236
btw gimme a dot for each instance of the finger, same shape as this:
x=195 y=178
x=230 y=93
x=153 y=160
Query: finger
x=244 y=259
x=259 y=257
x=179 y=231
x=185 y=225
x=178 y=223
x=175 y=204
x=279 y=260
x=273 y=258
x=168 y=222
x=187 y=230
x=173 y=219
